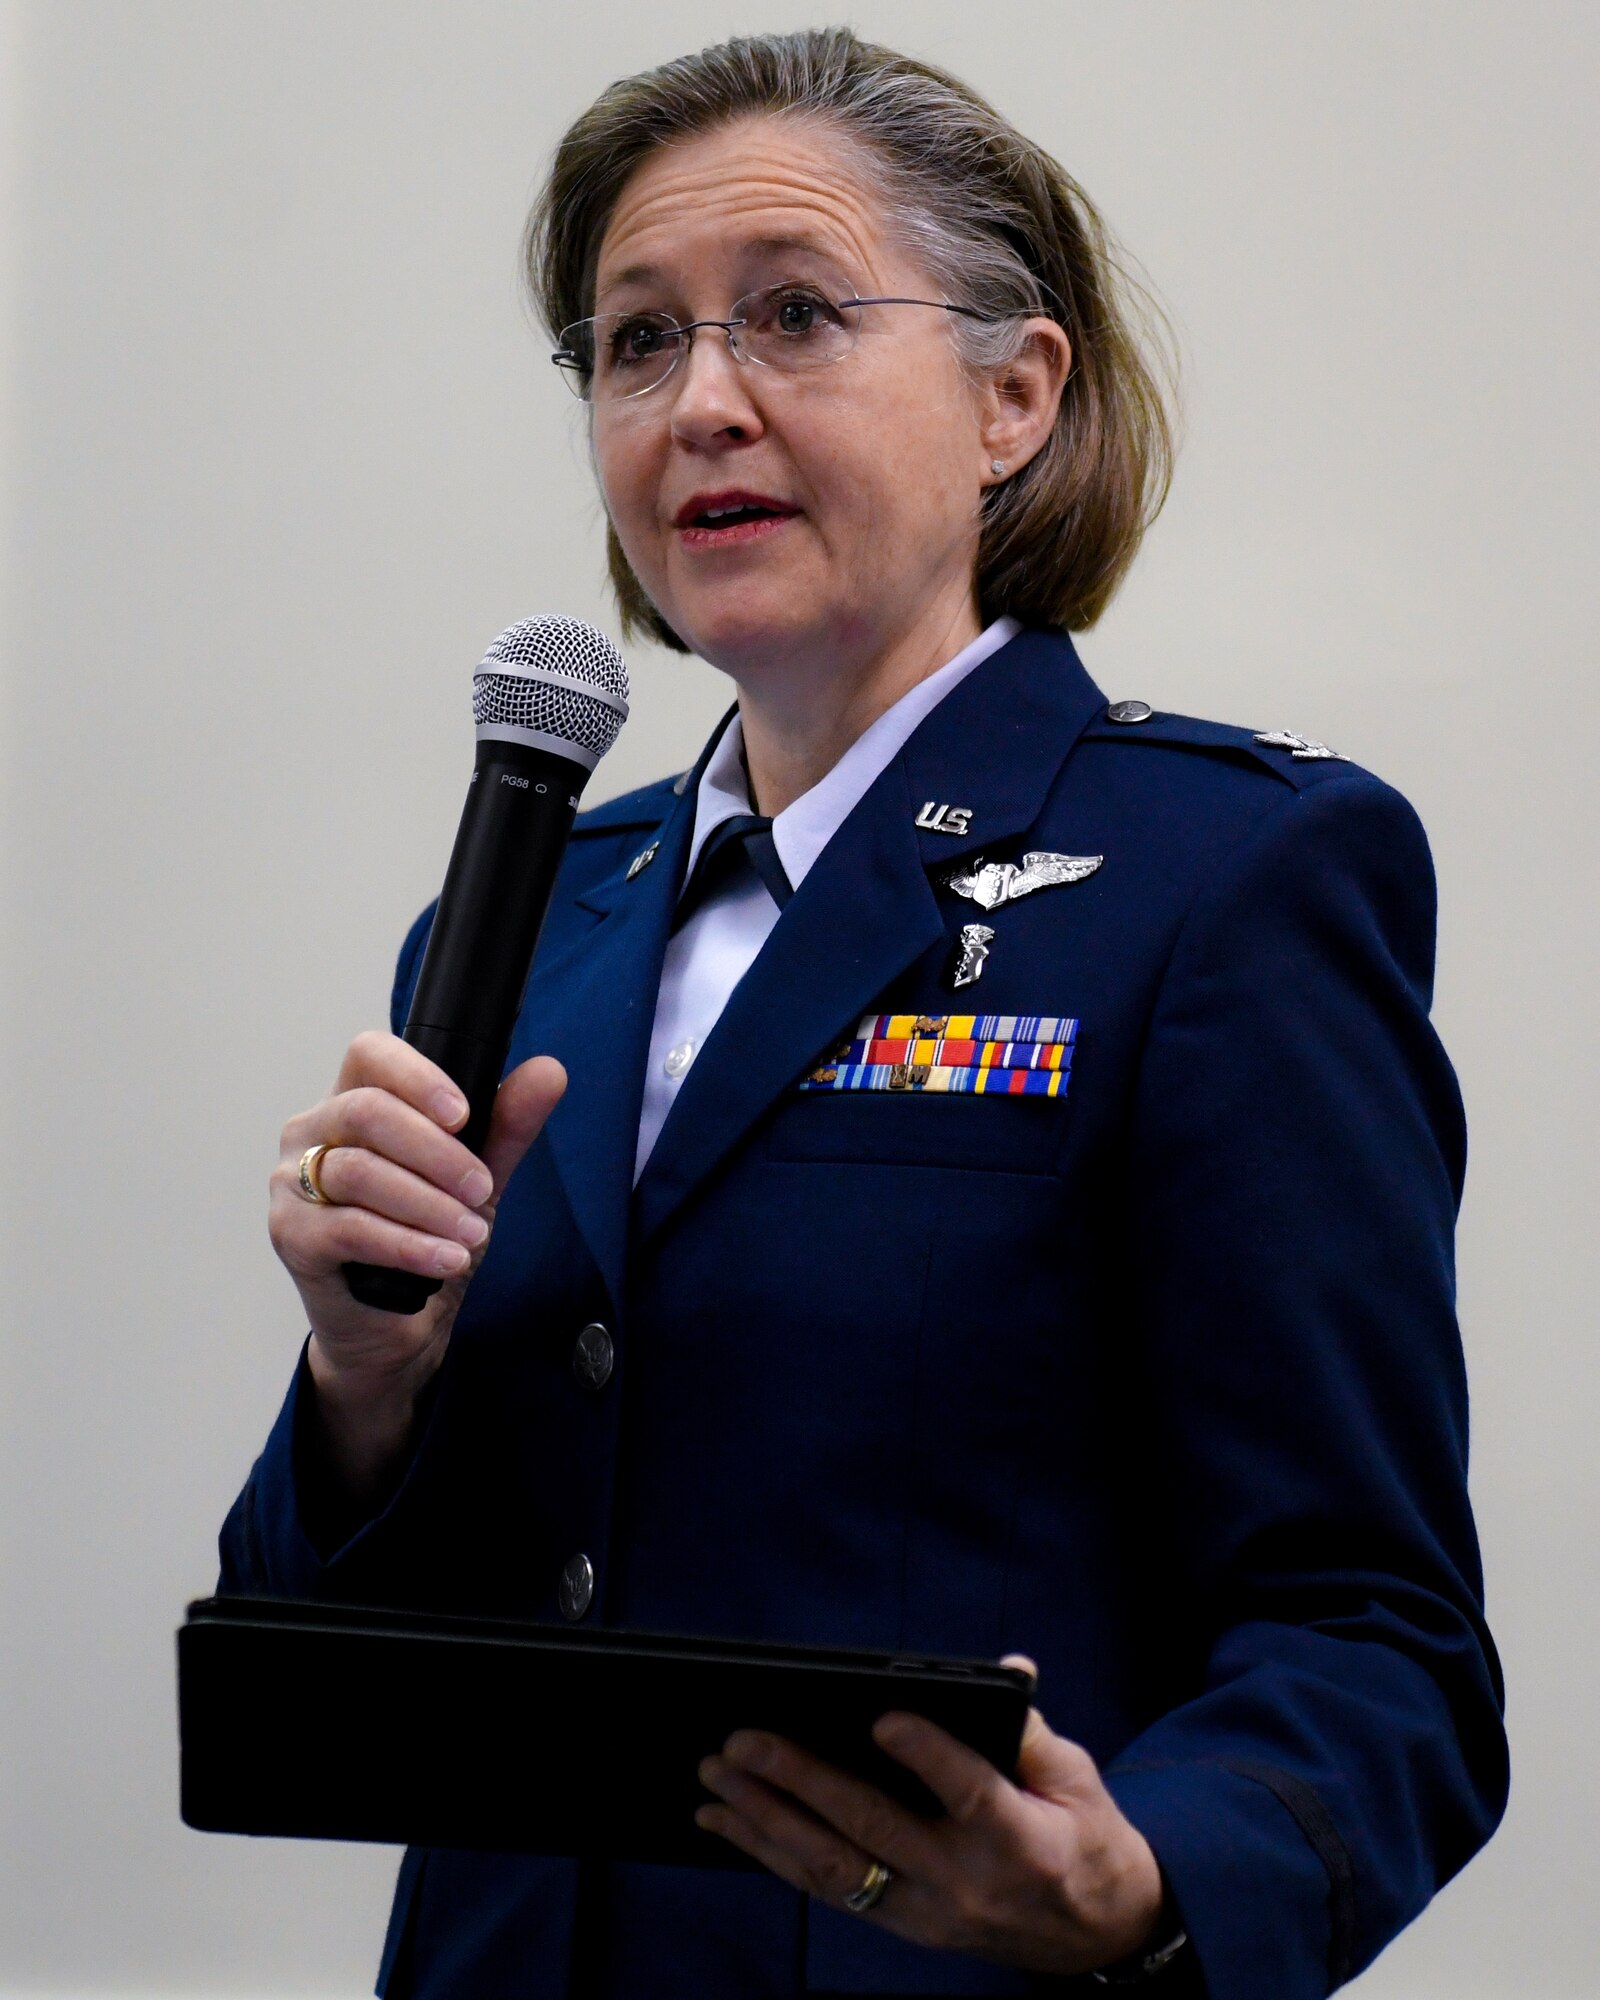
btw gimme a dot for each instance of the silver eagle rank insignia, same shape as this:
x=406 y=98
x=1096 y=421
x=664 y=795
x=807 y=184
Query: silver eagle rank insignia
x=991 y=883
x=1303 y=749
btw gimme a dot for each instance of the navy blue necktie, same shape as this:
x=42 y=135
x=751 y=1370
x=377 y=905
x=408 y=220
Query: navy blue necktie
x=745 y=837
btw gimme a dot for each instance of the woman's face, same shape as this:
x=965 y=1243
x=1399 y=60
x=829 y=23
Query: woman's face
x=874 y=465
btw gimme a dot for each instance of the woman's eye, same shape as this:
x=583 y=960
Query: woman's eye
x=798 y=313
x=637 y=340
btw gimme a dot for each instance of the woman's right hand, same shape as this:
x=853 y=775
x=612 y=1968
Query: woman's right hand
x=402 y=1192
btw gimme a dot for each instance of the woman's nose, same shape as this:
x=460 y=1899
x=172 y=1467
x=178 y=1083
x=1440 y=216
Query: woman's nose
x=711 y=392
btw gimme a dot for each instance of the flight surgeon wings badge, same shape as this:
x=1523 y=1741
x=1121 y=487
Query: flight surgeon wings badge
x=991 y=883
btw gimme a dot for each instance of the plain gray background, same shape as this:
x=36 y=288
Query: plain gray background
x=282 y=453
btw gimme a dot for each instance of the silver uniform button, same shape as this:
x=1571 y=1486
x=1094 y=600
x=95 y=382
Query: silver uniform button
x=679 y=1059
x=593 y=1356
x=1129 y=711
x=577 y=1588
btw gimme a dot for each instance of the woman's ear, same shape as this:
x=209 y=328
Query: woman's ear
x=1018 y=401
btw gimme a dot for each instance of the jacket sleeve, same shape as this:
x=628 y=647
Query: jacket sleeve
x=1297 y=1156
x=271 y=1544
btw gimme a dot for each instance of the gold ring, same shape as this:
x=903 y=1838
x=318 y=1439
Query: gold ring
x=311 y=1175
x=870 y=1894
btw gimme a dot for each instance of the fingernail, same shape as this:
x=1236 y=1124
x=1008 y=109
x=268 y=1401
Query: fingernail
x=449 y=1258
x=710 y=1770
x=472 y=1229
x=449 y=1107
x=476 y=1187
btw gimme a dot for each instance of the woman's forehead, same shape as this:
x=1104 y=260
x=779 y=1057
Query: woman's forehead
x=746 y=193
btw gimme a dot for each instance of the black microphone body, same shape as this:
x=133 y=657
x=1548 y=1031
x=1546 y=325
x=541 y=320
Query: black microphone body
x=503 y=867
x=502 y=871
x=497 y=889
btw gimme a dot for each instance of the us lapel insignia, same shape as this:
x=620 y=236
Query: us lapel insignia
x=975 y=942
x=936 y=818
x=991 y=883
x=1303 y=749
x=642 y=860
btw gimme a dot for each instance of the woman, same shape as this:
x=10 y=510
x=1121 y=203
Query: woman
x=853 y=1291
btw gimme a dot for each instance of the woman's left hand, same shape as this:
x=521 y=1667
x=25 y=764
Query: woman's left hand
x=1043 y=1873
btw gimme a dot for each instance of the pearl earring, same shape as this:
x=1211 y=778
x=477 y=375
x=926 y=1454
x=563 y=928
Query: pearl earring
x=996 y=467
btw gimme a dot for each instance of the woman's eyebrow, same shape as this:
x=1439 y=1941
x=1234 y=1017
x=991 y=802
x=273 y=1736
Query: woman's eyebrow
x=762 y=250
x=801 y=242
x=632 y=274
x=788 y=243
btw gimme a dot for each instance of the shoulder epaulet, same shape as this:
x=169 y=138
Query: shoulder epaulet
x=646 y=806
x=1297 y=760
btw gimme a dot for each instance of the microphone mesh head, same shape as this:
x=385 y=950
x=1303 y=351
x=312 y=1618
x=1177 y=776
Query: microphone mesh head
x=533 y=680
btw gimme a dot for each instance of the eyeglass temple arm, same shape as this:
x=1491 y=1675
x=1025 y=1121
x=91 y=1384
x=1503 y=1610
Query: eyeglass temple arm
x=939 y=305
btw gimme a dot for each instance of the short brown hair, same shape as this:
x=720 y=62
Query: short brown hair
x=999 y=224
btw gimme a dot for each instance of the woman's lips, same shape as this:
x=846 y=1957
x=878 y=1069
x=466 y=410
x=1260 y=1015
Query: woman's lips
x=725 y=534
x=722 y=519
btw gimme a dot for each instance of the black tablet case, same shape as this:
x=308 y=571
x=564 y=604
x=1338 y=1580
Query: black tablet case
x=340 y=1723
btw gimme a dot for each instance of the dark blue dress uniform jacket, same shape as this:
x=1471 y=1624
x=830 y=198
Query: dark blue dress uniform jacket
x=1158 y=1380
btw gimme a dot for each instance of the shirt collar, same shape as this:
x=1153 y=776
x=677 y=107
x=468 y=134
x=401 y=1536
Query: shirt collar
x=805 y=826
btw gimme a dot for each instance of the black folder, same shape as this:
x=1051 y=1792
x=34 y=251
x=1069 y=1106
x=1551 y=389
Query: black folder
x=331 y=1722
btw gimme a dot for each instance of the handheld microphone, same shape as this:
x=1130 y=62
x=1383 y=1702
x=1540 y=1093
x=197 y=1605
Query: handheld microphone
x=548 y=699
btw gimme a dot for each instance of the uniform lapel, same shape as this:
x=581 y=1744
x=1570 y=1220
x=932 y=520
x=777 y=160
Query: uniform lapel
x=867 y=909
x=593 y=1006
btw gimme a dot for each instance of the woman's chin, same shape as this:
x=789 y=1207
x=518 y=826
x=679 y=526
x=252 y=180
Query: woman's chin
x=737 y=631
